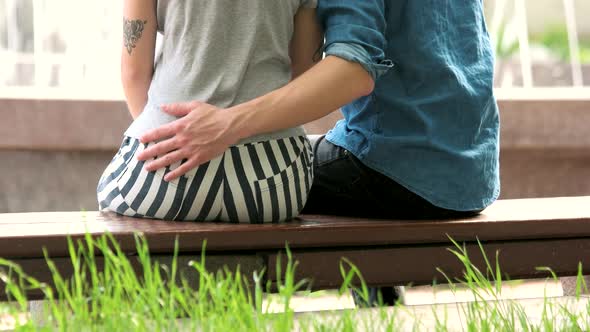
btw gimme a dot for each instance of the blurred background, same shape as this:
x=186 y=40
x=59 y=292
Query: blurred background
x=62 y=112
x=65 y=44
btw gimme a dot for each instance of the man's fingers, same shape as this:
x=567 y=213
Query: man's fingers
x=159 y=149
x=164 y=131
x=181 y=170
x=180 y=109
x=166 y=160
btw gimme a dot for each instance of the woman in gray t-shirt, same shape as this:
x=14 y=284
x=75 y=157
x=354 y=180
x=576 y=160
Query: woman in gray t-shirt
x=223 y=52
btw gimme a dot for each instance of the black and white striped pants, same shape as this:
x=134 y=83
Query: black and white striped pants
x=255 y=182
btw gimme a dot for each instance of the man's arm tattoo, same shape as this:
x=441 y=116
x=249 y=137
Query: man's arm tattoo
x=132 y=30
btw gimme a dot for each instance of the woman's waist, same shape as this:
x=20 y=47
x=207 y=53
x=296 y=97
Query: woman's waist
x=218 y=89
x=153 y=117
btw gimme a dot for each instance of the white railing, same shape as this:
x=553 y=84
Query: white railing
x=574 y=45
x=85 y=62
x=65 y=45
x=517 y=18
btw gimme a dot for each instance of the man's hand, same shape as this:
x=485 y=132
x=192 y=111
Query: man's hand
x=203 y=133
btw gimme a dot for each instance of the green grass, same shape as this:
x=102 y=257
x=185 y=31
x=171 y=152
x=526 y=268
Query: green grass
x=116 y=298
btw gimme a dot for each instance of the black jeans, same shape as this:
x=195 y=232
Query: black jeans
x=343 y=185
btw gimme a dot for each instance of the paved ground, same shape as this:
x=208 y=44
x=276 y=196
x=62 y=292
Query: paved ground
x=451 y=316
x=427 y=306
x=425 y=295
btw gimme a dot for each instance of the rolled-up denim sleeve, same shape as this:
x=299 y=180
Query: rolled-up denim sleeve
x=355 y=31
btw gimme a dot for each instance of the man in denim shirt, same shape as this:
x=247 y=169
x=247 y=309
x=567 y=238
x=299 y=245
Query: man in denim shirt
x=420 y=135
x=424 y=144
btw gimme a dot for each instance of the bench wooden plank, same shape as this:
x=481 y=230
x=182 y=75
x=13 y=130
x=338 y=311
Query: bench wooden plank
x=25 y=235
x=403 y=265
x=528 y=233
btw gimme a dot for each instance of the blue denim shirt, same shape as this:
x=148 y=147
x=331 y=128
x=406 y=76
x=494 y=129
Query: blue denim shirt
x=432 y=122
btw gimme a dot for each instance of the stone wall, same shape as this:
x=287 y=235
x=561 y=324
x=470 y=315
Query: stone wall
x=54 y=152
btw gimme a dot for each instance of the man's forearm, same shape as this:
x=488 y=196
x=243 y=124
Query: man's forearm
x=330 y=84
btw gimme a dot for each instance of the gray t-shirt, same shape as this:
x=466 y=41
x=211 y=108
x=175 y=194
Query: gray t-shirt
x=223 y=52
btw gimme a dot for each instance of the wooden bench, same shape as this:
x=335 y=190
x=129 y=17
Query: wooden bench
x=528 y=233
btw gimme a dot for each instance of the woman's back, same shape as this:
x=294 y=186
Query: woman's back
x=223 y=52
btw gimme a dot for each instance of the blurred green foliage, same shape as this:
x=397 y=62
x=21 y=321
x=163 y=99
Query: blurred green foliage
x=505 y=48
x=555 y=39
